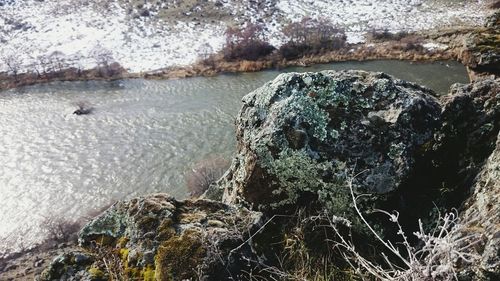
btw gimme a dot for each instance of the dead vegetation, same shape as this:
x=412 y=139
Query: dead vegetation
x=60 y=230
x=204 y=173
x=58 y=67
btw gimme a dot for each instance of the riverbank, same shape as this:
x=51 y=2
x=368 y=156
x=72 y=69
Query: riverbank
x=216 y=64
x=465 y=45
x=143 y=37
x=353 y=52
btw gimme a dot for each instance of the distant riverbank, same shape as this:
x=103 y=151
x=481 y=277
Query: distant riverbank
x=390 y=50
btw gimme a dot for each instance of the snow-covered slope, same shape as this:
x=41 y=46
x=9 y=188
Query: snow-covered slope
x=30 y=29
x=156 y=39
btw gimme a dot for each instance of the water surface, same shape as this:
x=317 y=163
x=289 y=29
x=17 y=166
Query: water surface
x=142 y=137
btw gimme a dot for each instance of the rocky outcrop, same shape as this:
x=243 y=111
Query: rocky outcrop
x=482 y=215
x=481 y=50
x=159 y=237
x=303 y=137
x=469 y=136
x=470 y=123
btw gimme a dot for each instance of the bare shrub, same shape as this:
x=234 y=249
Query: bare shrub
x=204 y=51
x=248 y=43
x=437 y=257
x=43 y=63
x=13 y=64
x=300 y=260
x=106 y=64
x=59 y=229
x=311 y=36
x=385 y=35
x=413 y=43
x=204 y=173
x=57 y=61
x=438 y=254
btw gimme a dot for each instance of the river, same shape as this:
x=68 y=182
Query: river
x=142 y=137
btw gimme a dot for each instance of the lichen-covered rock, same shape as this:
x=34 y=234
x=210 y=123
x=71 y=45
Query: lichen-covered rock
x=159 y=238
x=470 y=124
x=70 y=266
x=303 y=136
x=482 y=214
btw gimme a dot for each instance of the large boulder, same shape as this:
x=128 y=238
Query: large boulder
x=159 y=238
x=302 y=137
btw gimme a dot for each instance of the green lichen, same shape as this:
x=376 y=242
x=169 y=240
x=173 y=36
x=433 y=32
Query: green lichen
x=148 y=274
x=310 y=113
x=395 y=150
x=124 y=254
x=297 y=173
x=110 y=224
x=178 y=257
x=96 y=274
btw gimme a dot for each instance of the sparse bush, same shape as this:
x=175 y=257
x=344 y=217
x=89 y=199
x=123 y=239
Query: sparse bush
x=437 y=256
x=60 y=230
x=246 y=43
x=302 y=258
x=412 y=44
x=321 y=247
x=106 y=64
x=385 y=35
x=204 y=173
x=205 y=51
x=109 y=263
x=13 y=65
x=311 y=36
x=57 y=61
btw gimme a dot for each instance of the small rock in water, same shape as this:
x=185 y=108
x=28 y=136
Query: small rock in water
x=81 y=111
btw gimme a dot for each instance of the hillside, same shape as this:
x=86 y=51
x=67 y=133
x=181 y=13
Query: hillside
x=148 y=35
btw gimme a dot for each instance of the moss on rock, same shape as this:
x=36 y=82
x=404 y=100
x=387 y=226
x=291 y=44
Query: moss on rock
x=179 y=257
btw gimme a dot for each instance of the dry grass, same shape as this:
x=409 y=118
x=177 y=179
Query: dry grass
x=298 y=261
x=439 y=255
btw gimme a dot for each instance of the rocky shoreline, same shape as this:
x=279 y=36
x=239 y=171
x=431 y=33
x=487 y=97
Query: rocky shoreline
x=290 y=160
x=301 y=140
